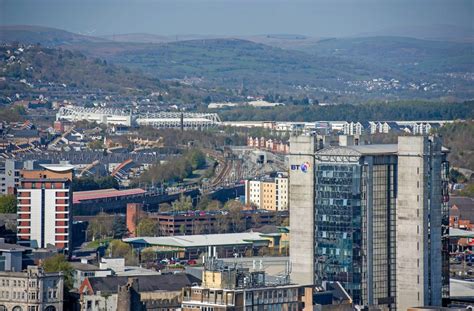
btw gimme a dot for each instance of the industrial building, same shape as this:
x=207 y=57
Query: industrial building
x=192 y=246
x=371 y=217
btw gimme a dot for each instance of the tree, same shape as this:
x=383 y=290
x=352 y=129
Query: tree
x=468 y=191
x=147 y=227
x=203 y=202
x=237 y=224
x=222 y=223
x=233 y=204
x=456 y=177
x=94 y=183
x=214 y=205
x=182 y=229
x=184 y=203
x=199 y=228
x=101 y=226
x=165 y=207
x=58 y=263
x=147 y=255
x=118 y=248
x=119 y=228
x=8 y=204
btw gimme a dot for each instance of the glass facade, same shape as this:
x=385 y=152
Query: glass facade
x=355 y=202
x=338 y=226
x=379 y=231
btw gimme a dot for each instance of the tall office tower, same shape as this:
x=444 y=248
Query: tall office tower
x=349 y=198
x=44 y=204
x=301 y=206
x=421 y=219
x=355 y=220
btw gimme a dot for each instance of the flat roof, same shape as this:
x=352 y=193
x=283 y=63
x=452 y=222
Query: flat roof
x=200 y=240
x=7 y=247
x=376 y=149
x=359 y=150
x=79 y=196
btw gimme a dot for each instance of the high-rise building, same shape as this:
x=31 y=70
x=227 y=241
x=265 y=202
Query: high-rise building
x=422 y=222
x=44 y=204
x=356 y=202
x=301 y=207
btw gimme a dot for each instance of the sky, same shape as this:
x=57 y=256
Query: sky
x=317 y=18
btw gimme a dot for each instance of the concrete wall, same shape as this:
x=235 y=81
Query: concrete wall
x=418 y=206
x=301 y=208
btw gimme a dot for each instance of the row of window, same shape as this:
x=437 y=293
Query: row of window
x=17 y=283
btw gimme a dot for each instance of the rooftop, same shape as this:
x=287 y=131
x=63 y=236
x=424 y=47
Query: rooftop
x=200 y=239
x=147 y=283
x=7 y=247
x=84 y=266
x=465 y=206
x=58 y=167
x=79 y=196
x=359 y=150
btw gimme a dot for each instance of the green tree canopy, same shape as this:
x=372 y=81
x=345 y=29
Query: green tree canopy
x=94 y=183
x=7 y=204
x=184 y=203
x=147 y=227
x=101 y=226
x=58 y=263
x=119 y=228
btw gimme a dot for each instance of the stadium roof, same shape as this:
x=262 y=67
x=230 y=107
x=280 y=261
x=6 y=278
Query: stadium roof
x=201 y=240
x=58 y=167
x=80 y=196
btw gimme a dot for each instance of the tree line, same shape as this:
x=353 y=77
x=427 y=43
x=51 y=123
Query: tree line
x=401 y=110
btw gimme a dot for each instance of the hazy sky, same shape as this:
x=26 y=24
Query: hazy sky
x=236 y=17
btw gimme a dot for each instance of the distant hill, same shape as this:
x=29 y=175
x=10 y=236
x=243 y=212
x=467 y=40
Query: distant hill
x=400 y=53
x=339 y=70
x=137 y=38
x=42 y=35
x=439 y=32
x=40 y=65
x=237 y=63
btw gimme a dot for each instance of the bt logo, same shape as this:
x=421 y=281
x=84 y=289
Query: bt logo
x=303 y=167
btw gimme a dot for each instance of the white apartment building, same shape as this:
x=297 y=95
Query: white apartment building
x=282 y=193
x=252 y=192
x=44 y=202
